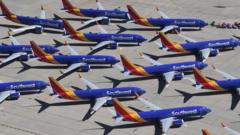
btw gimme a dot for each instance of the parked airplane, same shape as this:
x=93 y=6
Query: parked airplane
x=165 y=117
x=34 y=23
x=13 y=90
x=202 y=49
x=233 y=132
x=165 y=22
x=75 y=61
x=104 y=39
x=168 y=71
x=232 y=84
x=21 y=51
x=98 y=15
x=100 y=96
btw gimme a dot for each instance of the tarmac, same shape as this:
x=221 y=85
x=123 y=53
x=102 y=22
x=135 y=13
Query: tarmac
x=22 y=116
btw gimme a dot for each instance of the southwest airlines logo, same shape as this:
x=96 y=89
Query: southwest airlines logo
x=183 y=67
x=114 y=93
x=218 y=44
x=22 y=86
x=179 y=113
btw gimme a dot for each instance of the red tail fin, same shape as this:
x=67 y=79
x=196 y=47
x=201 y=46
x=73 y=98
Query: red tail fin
x=37 y=50
x=166 y=41
x=132 y=12
x=120 y=109
x=127 y=64
x=5 y=10
x=205 y=132
x=199 y=76
x=67 y=4
x=69 y=28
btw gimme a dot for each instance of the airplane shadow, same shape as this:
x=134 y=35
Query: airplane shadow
x=187 y=96
x=157 y=126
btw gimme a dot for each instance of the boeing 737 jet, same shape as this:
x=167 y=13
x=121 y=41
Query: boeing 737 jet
x=232 y=84
x=165 y=117
x=13 y=90
x=202 y=49
x=33 y=23
x=104 y=39
x=75 y=61
x=98 y=15
x=167 y=24
x=20 y=51
x=100 y=96
x=168 y=71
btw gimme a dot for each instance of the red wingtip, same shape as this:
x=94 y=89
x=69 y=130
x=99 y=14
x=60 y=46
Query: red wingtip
x=222 y=124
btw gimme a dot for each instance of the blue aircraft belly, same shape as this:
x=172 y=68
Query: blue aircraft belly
x=42 y=22
x=107 y=13
x=23 y=85
x=179 y=113
x=229 y=84
x=176 y=22
x=111 y=92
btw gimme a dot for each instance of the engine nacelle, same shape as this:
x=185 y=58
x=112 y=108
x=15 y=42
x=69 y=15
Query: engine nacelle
x=113 y=45
x=109 y=103
x=39 y=29
x=178 y=76
x=84 y=68
x=14 y=96
x=214 y=52
x=177 y=123
x=105 y=21
x=24 y=57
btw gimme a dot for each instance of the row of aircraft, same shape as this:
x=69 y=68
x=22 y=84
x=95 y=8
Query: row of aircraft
x=161 y=118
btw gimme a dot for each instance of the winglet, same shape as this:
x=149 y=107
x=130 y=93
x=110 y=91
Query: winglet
x=214 y=67
x=42 y=7
x=80 y=76
x=205 y=132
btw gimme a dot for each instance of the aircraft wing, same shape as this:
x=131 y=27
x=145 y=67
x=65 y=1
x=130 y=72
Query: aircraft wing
x=169 y=76
x=100 y=102
x=152 y=61
x=233 y=132
x=13 y=39
x=88 y=83
x=92 y=21
x=72 y=67
x=24 y=28
x=205 y=53
x=166 y=124
x=102 y=44
x=149 y=104
x=43 y=13
x=168 y=28
x=4 y=95
x=102 y=30
x=162 y=14
x=188 y=39
x=99 y=5
x=71 y=50
x=13 y=56
x=226 y=75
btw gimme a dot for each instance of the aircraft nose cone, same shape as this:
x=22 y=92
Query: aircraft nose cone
x=202 y=65
x=206 y=110
x=203 y=23
x=141 y=91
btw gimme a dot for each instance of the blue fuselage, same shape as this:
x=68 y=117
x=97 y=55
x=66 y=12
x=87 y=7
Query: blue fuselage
x=163 y=22
x=88 y=59
x=180 y=67
x=23 y=85
x=214 y=44
x=229 y=84
x=116 y=14
x=177 y=113
x=9 y=49
x=109 y=92
x=45 y=23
